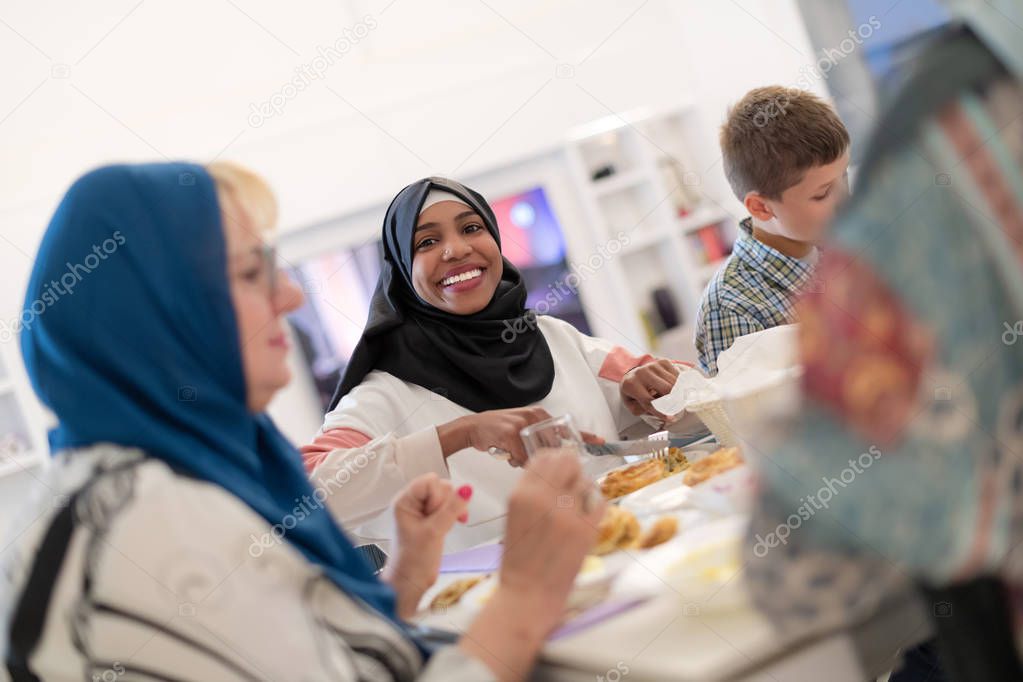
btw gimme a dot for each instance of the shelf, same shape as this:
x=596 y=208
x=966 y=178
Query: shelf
x=628 y=119
x=707 y=271
x=619 y=181
x=605 y=125
x=644 y=241
x=702 y=217
x=640 y=200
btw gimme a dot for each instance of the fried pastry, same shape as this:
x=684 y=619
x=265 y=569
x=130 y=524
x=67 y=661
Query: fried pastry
x=712 y=465
x=612 y=528
x=677 y=461
x=630 y=532
x=624 y=481
x=451 y=594
x=662 y=530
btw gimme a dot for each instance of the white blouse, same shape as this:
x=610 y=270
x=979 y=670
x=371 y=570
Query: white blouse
x=383 y=434
x=140 y=573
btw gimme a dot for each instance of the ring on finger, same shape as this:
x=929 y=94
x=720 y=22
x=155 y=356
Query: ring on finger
x=498 y=453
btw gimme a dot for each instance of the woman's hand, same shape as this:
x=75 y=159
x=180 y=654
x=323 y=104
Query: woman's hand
x=641 y=385
x=423 y=513
x=553 y=515
x=496 y=429
x=552 y=523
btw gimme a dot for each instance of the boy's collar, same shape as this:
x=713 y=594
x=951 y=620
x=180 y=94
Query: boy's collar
x=782 y=245
x=790 y=273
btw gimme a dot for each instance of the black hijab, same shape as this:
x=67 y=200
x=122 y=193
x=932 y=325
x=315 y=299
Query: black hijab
x=490 y=360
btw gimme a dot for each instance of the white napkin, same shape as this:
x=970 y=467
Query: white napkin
x=752 y=363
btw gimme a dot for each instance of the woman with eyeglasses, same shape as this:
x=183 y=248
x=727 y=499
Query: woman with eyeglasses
x=452 y=365
x=188 y=543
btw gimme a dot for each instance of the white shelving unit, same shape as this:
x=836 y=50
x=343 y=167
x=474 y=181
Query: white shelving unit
x=638 y=179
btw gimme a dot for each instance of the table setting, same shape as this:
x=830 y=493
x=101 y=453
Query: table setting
x=661 y=594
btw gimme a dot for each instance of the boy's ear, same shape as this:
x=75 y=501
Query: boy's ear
x=757 y=206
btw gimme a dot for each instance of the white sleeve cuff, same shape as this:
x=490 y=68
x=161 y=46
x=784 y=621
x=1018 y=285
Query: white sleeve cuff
x=420 y=453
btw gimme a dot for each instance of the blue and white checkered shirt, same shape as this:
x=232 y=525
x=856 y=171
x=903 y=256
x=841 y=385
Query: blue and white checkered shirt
x=755 y=290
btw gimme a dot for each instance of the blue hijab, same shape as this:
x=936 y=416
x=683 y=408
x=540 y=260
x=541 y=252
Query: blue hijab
x=129 y=336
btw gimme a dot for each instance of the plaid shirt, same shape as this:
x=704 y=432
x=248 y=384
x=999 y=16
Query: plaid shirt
x=755 y=290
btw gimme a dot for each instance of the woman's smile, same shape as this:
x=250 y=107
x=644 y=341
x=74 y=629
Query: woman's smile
x=463 y=278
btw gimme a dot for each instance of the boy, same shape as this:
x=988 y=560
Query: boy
x=785 y=152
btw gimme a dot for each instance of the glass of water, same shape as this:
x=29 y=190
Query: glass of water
x=557 y=433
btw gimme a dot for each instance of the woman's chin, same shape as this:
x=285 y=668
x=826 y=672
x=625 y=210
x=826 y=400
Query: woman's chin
x=467 y=303
x=267 y=389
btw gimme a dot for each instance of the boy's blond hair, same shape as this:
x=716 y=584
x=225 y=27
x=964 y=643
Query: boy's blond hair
x=244 y=195
x=773 y=135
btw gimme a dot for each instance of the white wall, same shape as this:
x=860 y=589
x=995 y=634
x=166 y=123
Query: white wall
x=462 y=87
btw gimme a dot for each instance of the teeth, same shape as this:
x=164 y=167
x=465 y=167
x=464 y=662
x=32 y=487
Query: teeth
x=471 y=274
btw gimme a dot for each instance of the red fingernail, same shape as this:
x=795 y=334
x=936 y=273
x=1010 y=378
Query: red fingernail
x=462 y=518
x=465 y=492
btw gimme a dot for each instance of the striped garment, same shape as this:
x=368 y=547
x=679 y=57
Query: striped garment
x=754 y=291
x=131 y=571
x=906 y=461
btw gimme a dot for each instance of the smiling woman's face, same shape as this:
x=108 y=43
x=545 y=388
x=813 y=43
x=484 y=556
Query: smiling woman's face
x=456 y=263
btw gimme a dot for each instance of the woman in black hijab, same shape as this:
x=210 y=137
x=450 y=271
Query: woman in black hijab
x=435 y=332
x=451 y=360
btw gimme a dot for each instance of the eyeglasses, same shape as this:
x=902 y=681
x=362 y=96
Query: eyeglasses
x=270 y=269
x=264 y=276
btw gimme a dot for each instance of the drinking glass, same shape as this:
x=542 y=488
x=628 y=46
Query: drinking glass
x=556 y=433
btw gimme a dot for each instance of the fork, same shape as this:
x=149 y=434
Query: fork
x=660 y=453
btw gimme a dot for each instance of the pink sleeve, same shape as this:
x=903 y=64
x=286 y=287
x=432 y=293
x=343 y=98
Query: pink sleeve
x=619 y=361
x=336 y=439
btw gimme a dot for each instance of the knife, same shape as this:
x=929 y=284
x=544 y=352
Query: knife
x=643 y=446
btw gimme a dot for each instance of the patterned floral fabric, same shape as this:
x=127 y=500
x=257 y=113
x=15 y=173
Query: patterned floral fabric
x=912 y=416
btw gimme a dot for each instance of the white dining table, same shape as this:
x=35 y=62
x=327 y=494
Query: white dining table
x=666 y=637
x=658 y=641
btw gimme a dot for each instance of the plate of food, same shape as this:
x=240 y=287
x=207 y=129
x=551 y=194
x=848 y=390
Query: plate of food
x=702 y=565
x=619 y=530
x=451 y=594
x=715 y=481
x=708 y=573
x=711 y=465
x=466 y=595
x=629 y=478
